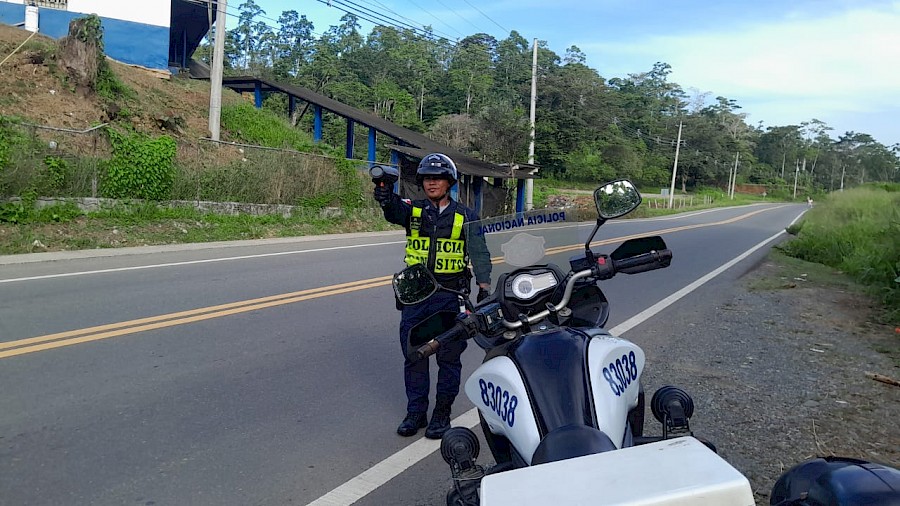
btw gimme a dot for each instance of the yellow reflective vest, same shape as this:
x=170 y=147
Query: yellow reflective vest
x=450 y=252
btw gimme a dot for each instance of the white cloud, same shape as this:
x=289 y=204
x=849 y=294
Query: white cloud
x=789 y=69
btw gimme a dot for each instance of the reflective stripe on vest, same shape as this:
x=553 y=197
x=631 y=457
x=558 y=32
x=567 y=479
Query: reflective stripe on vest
x=450 y=253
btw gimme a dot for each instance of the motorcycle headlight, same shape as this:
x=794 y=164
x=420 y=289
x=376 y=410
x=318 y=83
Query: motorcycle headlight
x=528 y=286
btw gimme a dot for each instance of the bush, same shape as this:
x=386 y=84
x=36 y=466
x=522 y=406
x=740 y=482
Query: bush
x=59 y=213
x=19 y=212
x=58 y=171
x=24 y=211
x=654 y=176
x=141 y=167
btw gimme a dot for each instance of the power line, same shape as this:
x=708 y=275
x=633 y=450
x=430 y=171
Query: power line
x=485 y=15
x=382 y=18
x=337 y=4
x=387 y=19
x=361 y=12
x=459 y=16
x=238 y=16
x=437 y=18
x=411 y=20
x=640 y=134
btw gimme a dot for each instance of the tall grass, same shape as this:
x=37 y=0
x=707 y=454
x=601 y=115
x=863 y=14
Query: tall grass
x=858 y=232
x=248 y=124
x=268 y=177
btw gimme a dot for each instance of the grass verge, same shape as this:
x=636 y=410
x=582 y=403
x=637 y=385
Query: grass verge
x=856 y=232
x=151 y=225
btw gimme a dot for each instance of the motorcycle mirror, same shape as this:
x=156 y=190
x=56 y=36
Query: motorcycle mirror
x=414 y=284
x=616 y=198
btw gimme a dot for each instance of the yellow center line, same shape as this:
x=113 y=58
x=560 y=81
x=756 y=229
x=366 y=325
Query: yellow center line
x=192 y=312
x=182 y=321
x=89 y=334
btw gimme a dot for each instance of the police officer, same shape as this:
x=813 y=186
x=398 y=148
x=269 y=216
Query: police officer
x=435 y=236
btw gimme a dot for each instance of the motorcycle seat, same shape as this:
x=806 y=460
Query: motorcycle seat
x=571 y=441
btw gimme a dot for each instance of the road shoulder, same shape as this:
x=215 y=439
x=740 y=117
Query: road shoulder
x=778 y=370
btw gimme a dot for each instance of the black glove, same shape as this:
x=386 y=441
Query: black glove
x=383 y=194
x=482 y=294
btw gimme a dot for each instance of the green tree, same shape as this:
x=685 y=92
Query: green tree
x=294 y=44
x=503 y=133
x=246 y=37
x=471 y=69
x=455 y=130
x=512 y=70
x=779 y=147
x=586 y=165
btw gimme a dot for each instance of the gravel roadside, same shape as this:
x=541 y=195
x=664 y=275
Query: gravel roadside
x=777 y=369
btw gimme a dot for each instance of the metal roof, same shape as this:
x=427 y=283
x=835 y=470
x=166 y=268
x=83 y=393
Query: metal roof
x=408 y=141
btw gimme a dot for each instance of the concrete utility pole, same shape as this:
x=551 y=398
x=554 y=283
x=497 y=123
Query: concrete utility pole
x=796 y=174
x=529 y=184
x=733 y=178
x=675 y=168
x=730 y=175
x=215 y=78
x=803 y=169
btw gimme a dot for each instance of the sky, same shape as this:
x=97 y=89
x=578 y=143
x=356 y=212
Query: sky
x=783 y=61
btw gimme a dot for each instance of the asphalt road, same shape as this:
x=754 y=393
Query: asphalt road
x=265 y=372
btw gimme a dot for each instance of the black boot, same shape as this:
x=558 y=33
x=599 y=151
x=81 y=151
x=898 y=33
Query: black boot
x=411 y=424
x=440 y=419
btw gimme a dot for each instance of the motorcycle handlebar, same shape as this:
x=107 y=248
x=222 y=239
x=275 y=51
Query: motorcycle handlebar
x=633 y=265
x=431 y=347
x=643 y=263
x=567 y=295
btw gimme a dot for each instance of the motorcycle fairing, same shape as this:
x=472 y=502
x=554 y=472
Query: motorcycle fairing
x=499 y=392
x=615 y=368
x=544 y=366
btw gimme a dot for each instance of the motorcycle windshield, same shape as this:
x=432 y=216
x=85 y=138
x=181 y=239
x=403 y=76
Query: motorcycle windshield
x=503 y=244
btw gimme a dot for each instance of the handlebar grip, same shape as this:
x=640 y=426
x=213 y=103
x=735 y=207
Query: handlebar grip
x=428 y=349
x=645 y=262
x=431 y=347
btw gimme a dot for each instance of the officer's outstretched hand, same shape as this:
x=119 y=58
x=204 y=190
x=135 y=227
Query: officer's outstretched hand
x=383 y=193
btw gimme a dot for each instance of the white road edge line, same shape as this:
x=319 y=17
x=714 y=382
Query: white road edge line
x=282 y=253
x=193 y=262
x=379 y=474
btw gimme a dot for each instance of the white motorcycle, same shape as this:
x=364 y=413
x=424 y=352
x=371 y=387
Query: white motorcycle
x=559 y=398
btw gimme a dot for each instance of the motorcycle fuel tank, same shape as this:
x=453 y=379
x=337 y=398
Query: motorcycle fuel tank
x=615 y=367
x=498 y=391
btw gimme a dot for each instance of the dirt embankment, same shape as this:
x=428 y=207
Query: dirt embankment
x=36 y=89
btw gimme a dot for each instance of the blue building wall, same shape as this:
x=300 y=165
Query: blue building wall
x=125 y=41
